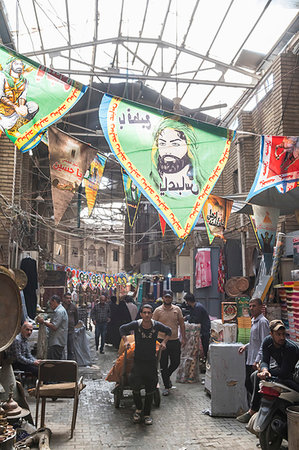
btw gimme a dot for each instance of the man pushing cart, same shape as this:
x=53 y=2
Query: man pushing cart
x=144 y=372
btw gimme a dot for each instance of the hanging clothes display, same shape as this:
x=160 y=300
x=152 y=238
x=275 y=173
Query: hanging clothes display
x=203 y=275
x=221 y=272
x=28 y=264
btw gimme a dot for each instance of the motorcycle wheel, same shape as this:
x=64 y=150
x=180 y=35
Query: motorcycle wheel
x=269 y=439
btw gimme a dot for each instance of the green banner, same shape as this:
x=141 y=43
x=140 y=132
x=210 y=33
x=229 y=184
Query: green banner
x=32 y=97
x=174 y=161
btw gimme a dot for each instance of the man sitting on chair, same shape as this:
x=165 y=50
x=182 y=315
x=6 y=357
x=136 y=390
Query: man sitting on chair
x=20 y=351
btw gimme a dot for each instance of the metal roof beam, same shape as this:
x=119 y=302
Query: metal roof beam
x=68 y=29
x=179 y=48
x=38 y=28
x=158 y=78
x=158 y=42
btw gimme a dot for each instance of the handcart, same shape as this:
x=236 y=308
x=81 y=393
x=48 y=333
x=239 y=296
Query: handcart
x=123 y=385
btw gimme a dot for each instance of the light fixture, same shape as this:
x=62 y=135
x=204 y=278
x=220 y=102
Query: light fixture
x=39 y=198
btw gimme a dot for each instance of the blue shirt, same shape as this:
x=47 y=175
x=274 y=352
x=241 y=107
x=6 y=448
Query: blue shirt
x=259 y=330
x=60 y=321
x=20 y=351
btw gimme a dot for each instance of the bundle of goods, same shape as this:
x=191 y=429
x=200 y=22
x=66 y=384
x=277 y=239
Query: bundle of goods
x=188 y=371
x=292 y=297
x=243 y=319
x=283 y=303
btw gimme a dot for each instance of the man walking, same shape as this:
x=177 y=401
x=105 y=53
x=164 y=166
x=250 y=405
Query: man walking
x=144 y=372
x=100 y=315
x=199 y=314
x=72 y=313
x=259 y=330
x=171 y=316
x=58 y=327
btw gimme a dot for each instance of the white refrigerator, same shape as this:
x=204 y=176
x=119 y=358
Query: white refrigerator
x=225 y=380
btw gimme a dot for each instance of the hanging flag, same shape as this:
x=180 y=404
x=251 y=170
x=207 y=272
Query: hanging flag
x=216 y=212
x=278 y=165
x=92 y=180
x=266 y=220
x=69 y=160
x=132 y=195
x=173 y=160
x=252 y=220
x=162 y=224
x=32 y=97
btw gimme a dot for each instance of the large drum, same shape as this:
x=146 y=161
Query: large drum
x=10 y=310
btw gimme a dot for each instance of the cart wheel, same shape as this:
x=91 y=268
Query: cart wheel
x=157 y=397
x=117 y=397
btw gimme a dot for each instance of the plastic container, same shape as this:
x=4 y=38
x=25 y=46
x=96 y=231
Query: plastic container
x=293 y=427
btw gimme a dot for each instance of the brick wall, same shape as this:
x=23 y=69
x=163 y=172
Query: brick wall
x=15 y=182
x=276 y=114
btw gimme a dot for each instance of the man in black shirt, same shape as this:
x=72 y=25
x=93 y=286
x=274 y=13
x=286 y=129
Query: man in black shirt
x=199 y=314
x=285 y=353
x=144 y=372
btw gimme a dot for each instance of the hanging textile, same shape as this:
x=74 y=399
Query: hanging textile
x=265 y=221
x=28 y=265
x=203 y=275
x=92 y=180
x=173 y=160
x=221 y=272
x=132 y=196
x=40 y=97
x=278 y=165
x=69 y=160
x=162 y=224
x=216 y=212
x=188 y=370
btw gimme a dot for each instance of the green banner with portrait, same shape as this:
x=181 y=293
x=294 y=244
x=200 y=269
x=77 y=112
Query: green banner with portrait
x=174 y=161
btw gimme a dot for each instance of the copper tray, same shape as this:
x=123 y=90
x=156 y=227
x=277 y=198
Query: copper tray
x=10 y=311
x=20 y=278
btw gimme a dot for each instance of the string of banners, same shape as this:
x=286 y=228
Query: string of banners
x=99 y=280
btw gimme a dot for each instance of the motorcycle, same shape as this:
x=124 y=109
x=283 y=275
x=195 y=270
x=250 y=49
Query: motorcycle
x=270 y=423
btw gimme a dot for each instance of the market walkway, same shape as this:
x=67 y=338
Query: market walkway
x=178 y=423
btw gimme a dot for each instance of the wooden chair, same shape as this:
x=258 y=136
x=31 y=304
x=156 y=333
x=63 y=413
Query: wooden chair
x=63 y=377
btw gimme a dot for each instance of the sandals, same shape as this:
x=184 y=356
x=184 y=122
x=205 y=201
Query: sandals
x=148 y=420
x=137 y=417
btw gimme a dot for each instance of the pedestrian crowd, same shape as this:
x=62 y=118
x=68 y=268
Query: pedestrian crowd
x=157 y=330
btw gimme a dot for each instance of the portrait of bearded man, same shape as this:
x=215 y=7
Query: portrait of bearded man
x=176 y=166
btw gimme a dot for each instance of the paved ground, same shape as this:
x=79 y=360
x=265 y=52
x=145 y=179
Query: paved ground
x=178 y=423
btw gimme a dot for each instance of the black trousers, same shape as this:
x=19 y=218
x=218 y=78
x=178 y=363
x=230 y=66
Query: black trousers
x=205 y=340
x=71 y=346
x=144 y=375
x=248 y=382
x=26 y=368
x=170 y=360
x=55 y=352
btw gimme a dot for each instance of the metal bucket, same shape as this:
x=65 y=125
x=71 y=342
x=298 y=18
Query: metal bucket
x=293 y=427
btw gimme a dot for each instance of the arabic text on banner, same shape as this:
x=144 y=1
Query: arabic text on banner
x=69 y=160
x=174 y=161
x=216 y=212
